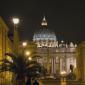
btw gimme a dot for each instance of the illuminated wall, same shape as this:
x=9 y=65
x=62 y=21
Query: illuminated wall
x=81 y=61
x=5 y=46
x=5 y=43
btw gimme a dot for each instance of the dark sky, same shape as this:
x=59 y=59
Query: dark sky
x=65 y=18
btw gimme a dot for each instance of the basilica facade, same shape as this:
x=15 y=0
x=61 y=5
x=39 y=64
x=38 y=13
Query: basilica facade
x=54 y=56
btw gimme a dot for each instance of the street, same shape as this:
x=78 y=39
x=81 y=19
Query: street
x=55 y=82
x=51 y=82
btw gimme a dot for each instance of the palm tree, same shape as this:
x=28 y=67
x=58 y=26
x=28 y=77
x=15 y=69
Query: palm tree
x=20 y=66
x=43 y=70
x=16 y=65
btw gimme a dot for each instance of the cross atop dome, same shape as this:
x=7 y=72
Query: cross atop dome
x=44 y=22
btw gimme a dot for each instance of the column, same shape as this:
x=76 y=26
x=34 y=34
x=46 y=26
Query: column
x=81 y=62
x=52 y=64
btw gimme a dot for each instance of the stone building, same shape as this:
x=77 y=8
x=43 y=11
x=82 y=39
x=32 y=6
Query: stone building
x=6 y=46
x=5 y=43
x=54 y=56
x=81 y=61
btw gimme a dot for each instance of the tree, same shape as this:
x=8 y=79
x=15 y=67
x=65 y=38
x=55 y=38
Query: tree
x=20 y=66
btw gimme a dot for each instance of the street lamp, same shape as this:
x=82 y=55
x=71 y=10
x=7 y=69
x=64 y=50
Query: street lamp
x=15 y=38
x=30 y=58
x=27 y=53
x=15 y=21
x=24 y=44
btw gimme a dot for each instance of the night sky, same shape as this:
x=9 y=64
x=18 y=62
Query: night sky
x=65 y=18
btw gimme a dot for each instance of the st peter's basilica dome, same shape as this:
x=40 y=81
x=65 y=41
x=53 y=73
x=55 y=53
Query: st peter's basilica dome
x=44 y=36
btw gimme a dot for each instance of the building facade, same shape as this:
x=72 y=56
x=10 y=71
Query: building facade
x=81 y=61
x=6 y=46
x=5 y=43
x=54 y=56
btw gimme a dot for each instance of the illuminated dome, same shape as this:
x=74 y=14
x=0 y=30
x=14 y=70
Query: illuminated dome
x=44 y=36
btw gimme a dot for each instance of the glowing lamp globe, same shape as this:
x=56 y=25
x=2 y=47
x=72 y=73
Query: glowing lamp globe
x=15 y=20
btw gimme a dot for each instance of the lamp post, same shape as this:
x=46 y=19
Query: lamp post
x=15 y=35
x=15 y=20
x=24 y=44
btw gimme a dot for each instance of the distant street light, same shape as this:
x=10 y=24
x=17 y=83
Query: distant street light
x=30 y=58
x=63 y=72
x=27 y=53
x=24 y=44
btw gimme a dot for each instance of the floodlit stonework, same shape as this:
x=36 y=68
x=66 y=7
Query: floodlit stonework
x=55 y=56
x=6 y=46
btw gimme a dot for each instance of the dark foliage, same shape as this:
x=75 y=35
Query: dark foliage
x=20 y=66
